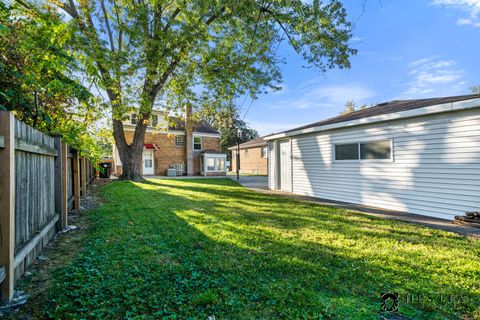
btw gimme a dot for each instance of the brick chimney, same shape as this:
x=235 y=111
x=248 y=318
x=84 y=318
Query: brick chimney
x=188 y=139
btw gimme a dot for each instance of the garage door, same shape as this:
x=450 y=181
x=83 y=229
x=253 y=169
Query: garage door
x=285 y=166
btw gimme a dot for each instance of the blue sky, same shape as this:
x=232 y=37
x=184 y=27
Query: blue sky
x=406 y=49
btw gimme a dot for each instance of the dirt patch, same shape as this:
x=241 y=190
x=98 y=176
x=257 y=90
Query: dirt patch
x=59 y=252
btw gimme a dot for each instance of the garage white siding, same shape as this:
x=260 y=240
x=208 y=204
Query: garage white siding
x=271 y=165
x=435 y=169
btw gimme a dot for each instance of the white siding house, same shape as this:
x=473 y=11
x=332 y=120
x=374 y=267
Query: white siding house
x=424 y=159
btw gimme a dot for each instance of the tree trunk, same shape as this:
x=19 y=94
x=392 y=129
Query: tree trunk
x=130 y=154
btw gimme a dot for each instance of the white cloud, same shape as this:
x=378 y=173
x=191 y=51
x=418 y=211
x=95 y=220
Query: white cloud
x=470 y=6
x=311 y=94
x=433 y=76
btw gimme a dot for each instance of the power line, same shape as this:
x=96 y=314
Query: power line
x=249 y=51
x=253 y=97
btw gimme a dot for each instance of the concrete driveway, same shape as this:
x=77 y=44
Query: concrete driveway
x=252 y=182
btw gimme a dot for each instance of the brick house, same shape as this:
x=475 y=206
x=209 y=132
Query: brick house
x=190 y=147
x=253 y=157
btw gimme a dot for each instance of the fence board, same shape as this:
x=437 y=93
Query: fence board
x=34 y=189
x=30 y=147
x=39 y=182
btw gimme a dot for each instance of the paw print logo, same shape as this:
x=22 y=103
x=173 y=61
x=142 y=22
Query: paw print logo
x=389 y=302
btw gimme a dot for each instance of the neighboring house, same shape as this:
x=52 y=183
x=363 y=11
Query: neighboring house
x=253 y=157
x=171 y=142
x=417 y=156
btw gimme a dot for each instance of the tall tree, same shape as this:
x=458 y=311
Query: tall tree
x=173 y=52
x=475 y=90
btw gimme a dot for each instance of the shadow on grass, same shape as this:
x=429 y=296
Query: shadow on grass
x=194 y=248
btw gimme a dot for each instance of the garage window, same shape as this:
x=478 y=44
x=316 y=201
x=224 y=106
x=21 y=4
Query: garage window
x=375 y=150
x=346 y=151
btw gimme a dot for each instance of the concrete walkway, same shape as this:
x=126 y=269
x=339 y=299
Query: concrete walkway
x=184 y=177
x=260 y=184
x=252 y=182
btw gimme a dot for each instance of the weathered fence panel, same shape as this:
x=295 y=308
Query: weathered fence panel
x=7 y=204
x=35 y=212
x=39 y=184
x=34 y=188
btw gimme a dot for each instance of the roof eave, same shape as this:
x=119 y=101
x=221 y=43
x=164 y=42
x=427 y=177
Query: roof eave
x=439 y=108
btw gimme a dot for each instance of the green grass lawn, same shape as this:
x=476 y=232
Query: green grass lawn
x=189 y=249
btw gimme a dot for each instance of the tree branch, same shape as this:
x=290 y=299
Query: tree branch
x=172 y=17
x=107 y=24
x=290 y=38
x=171 y=67
x=88 y=30
x=120 y=27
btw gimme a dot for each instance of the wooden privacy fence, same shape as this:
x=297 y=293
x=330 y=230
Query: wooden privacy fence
x=41 y=181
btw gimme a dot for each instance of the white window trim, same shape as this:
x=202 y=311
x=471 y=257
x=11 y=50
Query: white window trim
x=133 y=115
x=201 y=143
x=224 y=164
x=215 y=163
x=183 y=141
x=359 y=151
x=151 y=124
x=264 y=150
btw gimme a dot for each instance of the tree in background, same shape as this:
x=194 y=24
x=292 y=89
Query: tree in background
x=475 y=89
x=350 y=107
x=229 y=135
x=38 y=82
x=166 y=54
x=228 y=121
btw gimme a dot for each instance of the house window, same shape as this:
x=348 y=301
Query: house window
x=179 y=141
x=210 y=164
x=375 y=150
x=264 y=152
x=133 y=118
x=213 y=163
x=220 y=164
x=197 y=143
x=245 y=153
x=346 y=151
x=154 y=120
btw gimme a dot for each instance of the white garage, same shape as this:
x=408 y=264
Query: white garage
x=416 y=156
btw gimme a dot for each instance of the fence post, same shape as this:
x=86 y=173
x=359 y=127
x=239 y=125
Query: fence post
x=83 y=171
x=76 y=181
x=58 y=181
x=7 y=203
x=64 y=212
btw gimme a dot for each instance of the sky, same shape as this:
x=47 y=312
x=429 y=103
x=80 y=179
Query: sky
x=406 y=50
